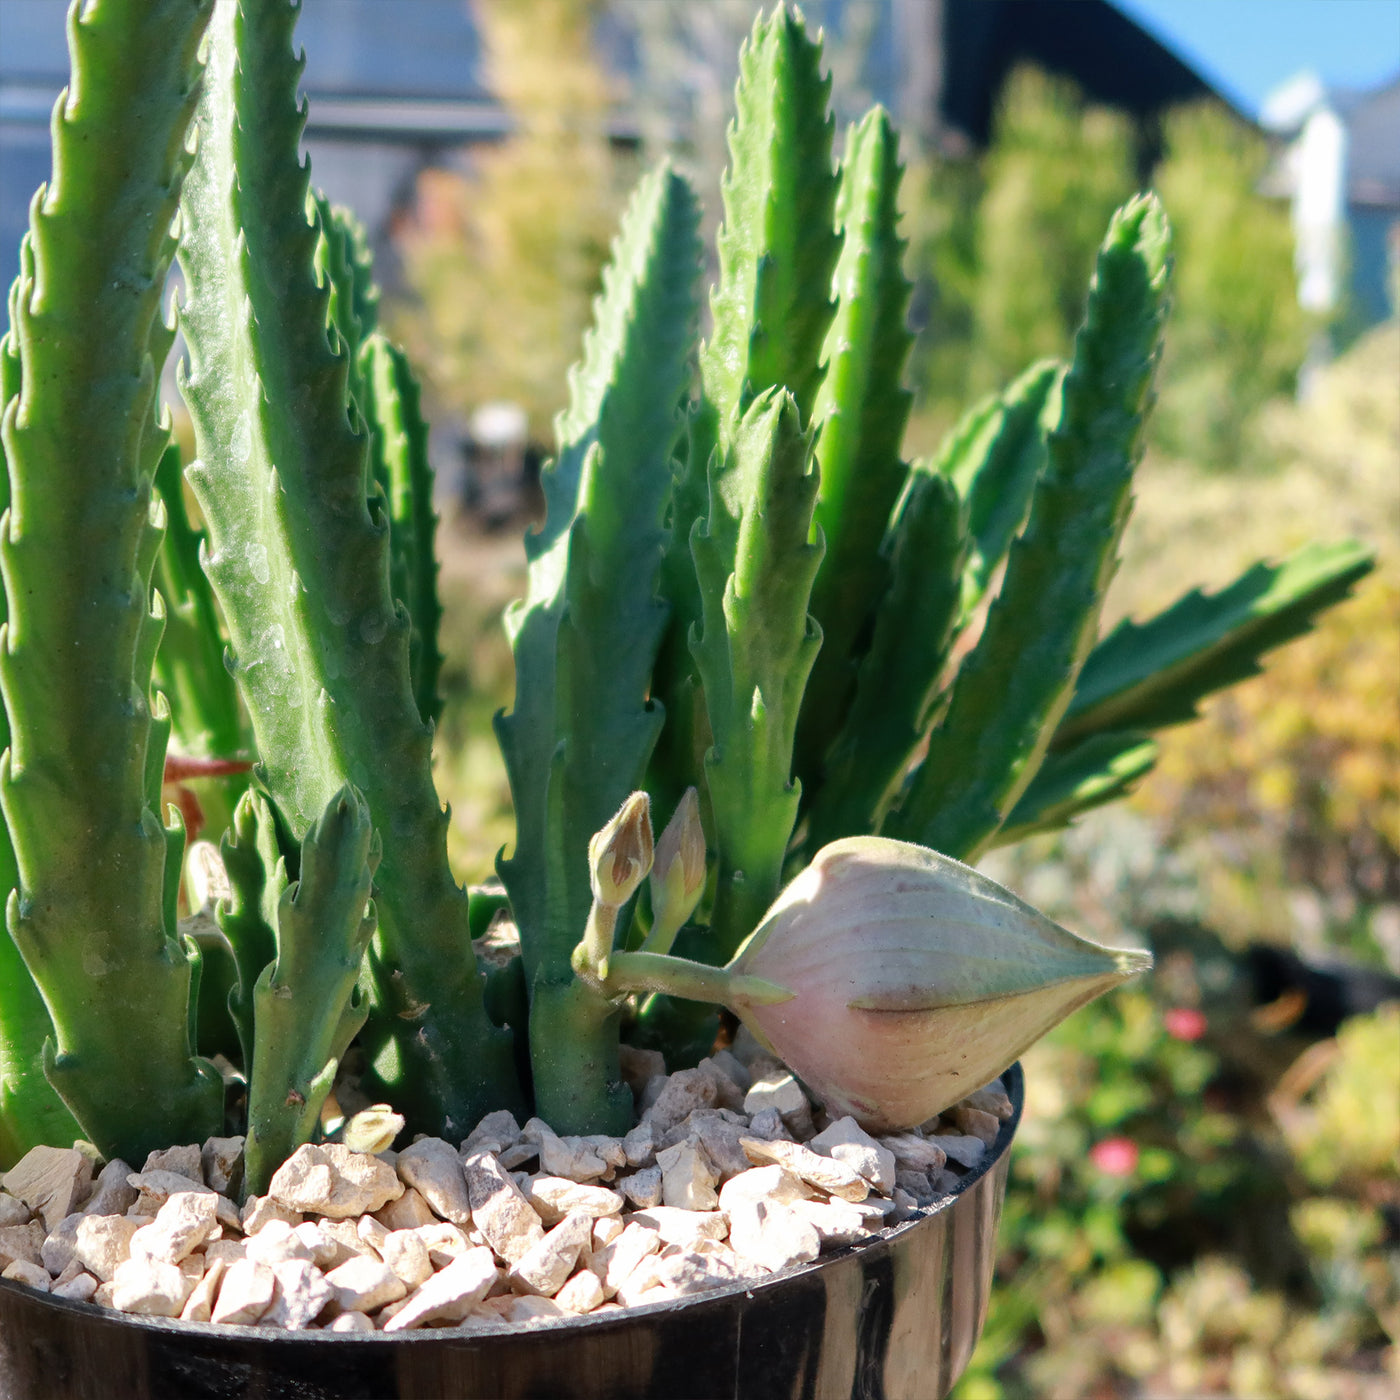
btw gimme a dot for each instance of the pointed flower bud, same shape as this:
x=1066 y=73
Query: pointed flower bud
x=915 y=979
x=372 y=1129
x=678 y=872
x=620 y=855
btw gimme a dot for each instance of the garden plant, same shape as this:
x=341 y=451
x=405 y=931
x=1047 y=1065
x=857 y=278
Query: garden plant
x=840 y=677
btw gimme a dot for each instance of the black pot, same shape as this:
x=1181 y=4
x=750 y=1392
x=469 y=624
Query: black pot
x=893 y=1318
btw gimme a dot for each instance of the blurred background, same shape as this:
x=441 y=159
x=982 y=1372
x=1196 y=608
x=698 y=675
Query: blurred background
x=1205 y=1194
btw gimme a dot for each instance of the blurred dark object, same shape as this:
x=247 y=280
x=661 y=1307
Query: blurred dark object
x=1314 y=997
x=1264 y=1005
x=1107 y=55
x=500 y=482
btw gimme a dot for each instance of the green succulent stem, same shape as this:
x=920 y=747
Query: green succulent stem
x=189 y=666
x=860 y=413
x=391 y=406
x=31 y=1112
x=1016 y=684
x=755 y=556
x=307 y=1007
x=582 y=729
x=80 y=785
x=300 y=565
x=915 y=625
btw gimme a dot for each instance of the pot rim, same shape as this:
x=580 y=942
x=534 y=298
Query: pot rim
x=1013 y=1080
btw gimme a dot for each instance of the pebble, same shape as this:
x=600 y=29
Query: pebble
x=433 y=1168
x=246 y=1292
x=187 y=1220
x=772 y=1235
x=22 y=1271
x=222 y=1161
x=56 y=1253
x=552 y=1259
x=729 y=1063
x=825 y=1173
x=200 y=1304
x=768 y=1124
x=836 y=1222
x=582 y=1293
x=363 y=1284
x=112 y=1193
x=575 y=1158
x=774 y=1184
x=615 y=1263
x=182 y=1161
x=258 y=1210
x=779 y=1091
x=720 y=1133
x=302 y=1294
x=445 y=1242
x=494 y=1133
x=728 y=1094
x=688 y=1177
x=973 y=1122
x=13 y=1211
x=686 y=1273
x=330 y=1179
x=846 y=1141
x=991 y=1099
x=350 y=1322
x=50 y=1181
x=640 y=1066
x=411 y=1209
x=642 y=1188
x=448 y=1296
x=682 y=1226
x=499 y=1208
x=150 y=1287
x=554 y=1197
x=965 y=1151
x=639 y=1146
x=915 y=1153
x=326 y=1250
x=156 y=1186
x=276 y=1243
x=103 y=1244
x=681 y=1095
x=79 y=1289
x=406 y=1253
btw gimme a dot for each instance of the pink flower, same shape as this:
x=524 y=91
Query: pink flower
x=1184 y=1023
x=1115 y=1156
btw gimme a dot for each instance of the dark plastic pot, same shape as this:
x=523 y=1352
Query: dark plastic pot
x=893 y=1318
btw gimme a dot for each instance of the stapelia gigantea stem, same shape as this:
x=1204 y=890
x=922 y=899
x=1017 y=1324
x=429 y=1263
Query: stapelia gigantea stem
x=392 y=411
x=771 y=312
x=300 y=567
x=755 y=557
x=582 y=728
x=860 y=412
x=30 y=1111
x=81 y=783
x=307 y=1005
x=1016 y=684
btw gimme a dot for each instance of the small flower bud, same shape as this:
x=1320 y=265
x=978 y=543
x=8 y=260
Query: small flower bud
x=678 y=872
x=915 y=980
x=620 y=855
x=372 y=1129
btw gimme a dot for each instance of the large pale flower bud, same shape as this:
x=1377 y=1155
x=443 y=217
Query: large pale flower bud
x=915 y=980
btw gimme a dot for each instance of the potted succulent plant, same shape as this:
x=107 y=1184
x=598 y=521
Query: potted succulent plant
x=743 y=607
